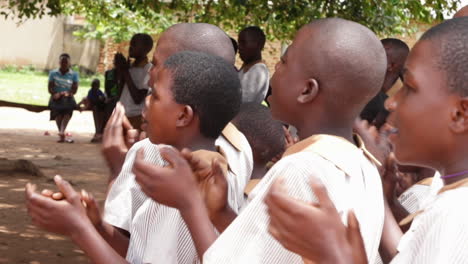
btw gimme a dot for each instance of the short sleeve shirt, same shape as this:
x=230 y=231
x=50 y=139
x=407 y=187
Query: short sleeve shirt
x=63 y=82
x=352 y=182
x=440 y=233
x=158 y=233
x=254 y=83
x=140 y=78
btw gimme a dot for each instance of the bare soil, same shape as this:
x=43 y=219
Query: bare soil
x=22 y=138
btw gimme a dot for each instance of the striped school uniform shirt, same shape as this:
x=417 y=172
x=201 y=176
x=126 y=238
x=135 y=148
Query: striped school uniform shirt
x=351 y=179
x=158 y=233
x=439 y=231
x=412 y=198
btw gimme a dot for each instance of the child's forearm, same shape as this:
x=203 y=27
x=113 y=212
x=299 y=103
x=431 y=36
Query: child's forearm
x=391 y=236
x=199 y=224
x=114 y=237
x=95 y=247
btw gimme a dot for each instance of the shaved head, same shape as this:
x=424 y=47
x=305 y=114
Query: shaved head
x=450 y=42
x=397 y=51
x=463 y=12
x=347 y=60
x=199 y=37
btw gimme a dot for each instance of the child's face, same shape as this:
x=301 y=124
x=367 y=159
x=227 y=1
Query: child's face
x=137 y=48
x=421 y=110
x=64 y=63
x=249 y=47
x=161 y=111
x=287 y=82
x=95 y=85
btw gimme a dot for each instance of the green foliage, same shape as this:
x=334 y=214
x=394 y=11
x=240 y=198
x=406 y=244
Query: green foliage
x=119 y=19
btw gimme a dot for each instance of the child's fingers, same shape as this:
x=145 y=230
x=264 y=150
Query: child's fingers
x=193 y=160
x=131 y=137
x=65 y=188
x=353 y=226
x=218 y=173
x=47 y=193
x=279 y=199
x=321 y=192
x=173 y=157
x=58 y=196
x=125 y=122
x=30 y=190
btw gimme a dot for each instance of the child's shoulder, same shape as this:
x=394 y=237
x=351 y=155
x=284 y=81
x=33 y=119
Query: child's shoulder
x=303 y=162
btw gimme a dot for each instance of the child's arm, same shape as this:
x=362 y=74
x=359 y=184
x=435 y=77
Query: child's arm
x=74 y=87
x=116 y=237
x=391 y=235
x=68 y=217
x=211 y=177
x=314 y=230
x=138 y=95
x=176 y=186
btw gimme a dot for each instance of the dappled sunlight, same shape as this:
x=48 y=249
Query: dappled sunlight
x=80 y=163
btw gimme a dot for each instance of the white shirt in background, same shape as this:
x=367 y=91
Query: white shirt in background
x=254 y=83
x=140 y=78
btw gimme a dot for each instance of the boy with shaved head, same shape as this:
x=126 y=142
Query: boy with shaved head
x=430 y=111
x=322 y=83
x=134 y=225
x=126 y=204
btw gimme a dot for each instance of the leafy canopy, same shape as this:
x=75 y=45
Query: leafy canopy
x=119 y=19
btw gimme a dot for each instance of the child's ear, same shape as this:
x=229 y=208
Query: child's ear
x=309 y=92
x=459 y=116
x=185 y=116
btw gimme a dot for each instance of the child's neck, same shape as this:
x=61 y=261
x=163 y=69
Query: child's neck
x=458 y=167
x=140 y=61
x=308 y=130
x=198 y=143
x=253 y=60
x=259 y=170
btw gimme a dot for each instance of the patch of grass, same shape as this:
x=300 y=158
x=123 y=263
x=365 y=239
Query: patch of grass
x=28 y=86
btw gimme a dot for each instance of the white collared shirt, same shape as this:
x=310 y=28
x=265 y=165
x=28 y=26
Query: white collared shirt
x=440 y=233
x=247 y=239
x=158 y=233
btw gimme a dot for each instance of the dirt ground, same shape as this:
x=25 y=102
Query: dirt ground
x=22 y=137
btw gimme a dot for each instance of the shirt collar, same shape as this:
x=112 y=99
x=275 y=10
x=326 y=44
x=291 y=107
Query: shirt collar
x=334 y=149
x=233 y=136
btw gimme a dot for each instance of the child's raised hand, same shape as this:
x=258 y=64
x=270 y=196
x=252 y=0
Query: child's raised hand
x=375 y=142
x=288 y=138
x=118 y=137
x=174 y=185
x=66 y=216
x=312 y=230
x=211 y=177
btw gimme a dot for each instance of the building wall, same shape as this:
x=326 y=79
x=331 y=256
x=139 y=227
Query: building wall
x=39 y=42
